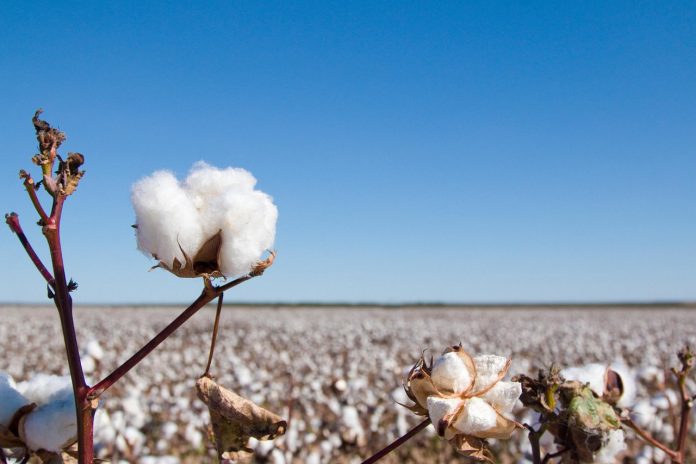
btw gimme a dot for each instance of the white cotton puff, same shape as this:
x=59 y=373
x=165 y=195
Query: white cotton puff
x=43 y=388
x=450 y=373
x=477 y=416
x=94 y=349
x=592 y=374
x=166 y=218
x=503 y=396
x=613 y=444
x=210 y=200
x=488 y=370
x=10 y=399
x=53 y=425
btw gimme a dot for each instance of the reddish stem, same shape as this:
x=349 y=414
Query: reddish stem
x=84 y=407
x=396 y=443
x=12 y=221
x=31 y=190
x=686 y=406
x=650 y=439
x=209 y=293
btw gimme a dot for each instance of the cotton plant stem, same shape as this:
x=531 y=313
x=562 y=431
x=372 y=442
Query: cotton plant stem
x=209 y=294
x=649 y=438
x=12 y=221
x=30 y=186
x=396 y=443
x=534 y=436
x=84 y=407
x=687 y=404
x=213 y=339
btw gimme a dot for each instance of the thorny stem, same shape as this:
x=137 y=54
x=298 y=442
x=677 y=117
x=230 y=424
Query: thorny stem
x=208 y=294
x=396 y=443
x=12 y=221
x=215 y=332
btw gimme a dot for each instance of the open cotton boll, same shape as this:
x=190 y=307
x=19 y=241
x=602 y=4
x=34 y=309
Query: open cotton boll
x=43 y=388
x=450 y=373
x=53 y=425
x=630 y=387
x=213 y=223
x=166 y=219
x=10 y=399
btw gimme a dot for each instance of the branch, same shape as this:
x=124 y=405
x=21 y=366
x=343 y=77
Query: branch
x=30 y=186
x=649 y=438
x=398 y=442
x=214 y=337
x=12 y=221
x=534 y=436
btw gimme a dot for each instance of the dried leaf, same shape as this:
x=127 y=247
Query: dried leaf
x=473 y=448
x=236 y=419
x=261 y=266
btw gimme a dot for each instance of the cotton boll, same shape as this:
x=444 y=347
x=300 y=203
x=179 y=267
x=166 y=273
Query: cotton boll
x=10 y=399
x=94 y=349
x=503 y=396
x=630 y=387
x=173 y=216
x=166 y=218
x=53 y=425
x=450 y=373
x=477 y=416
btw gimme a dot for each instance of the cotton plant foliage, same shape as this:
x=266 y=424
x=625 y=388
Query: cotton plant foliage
x=466 y=399
x=212 y=224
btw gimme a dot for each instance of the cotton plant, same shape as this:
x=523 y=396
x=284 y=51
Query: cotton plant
x=214 y=225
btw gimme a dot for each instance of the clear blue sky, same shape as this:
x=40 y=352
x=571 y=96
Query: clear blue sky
x=434 y=151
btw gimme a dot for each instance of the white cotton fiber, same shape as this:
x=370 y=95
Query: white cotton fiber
x=477 y=416
x=43 y=388
x=439 y=407
x=592 y=374
x=166 y=218
x=53 y=425
x=450 y=373
x=503 y=396
x=488 y=370
x=170 y=213
x=613 y=444
x=10 y=399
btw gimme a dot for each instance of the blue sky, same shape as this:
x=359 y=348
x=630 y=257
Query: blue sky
x=449 y=151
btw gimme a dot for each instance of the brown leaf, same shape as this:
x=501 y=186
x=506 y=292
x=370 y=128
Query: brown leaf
x=472 y=447
x=236 y=419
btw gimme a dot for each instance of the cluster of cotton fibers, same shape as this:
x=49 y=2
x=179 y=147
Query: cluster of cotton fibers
x=174 y=217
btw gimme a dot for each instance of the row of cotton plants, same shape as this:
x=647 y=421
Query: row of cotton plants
x=342 y=403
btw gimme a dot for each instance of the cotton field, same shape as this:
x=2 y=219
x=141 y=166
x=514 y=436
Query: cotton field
x=335 y=373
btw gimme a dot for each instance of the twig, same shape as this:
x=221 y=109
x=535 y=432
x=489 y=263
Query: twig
x=12 y=221
x=208 y=294
x=215 y=332
x=550 y=456
x=396 y=443
x=649 y=438
x=30 y=186
x=534 y=436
